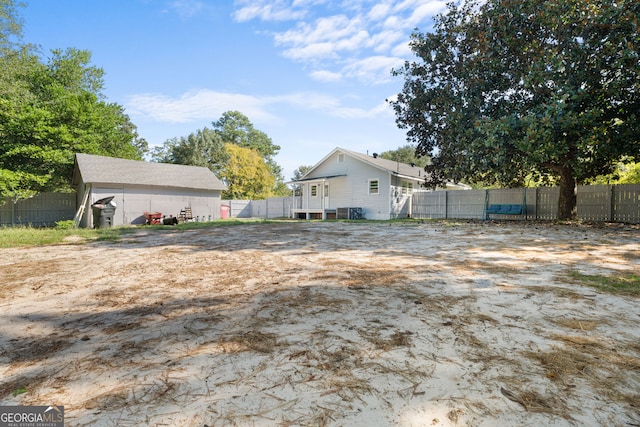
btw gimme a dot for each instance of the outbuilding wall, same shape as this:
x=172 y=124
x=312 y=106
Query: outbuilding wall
x=133 y=201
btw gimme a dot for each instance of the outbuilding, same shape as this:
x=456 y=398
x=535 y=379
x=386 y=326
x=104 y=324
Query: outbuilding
x=140 y=187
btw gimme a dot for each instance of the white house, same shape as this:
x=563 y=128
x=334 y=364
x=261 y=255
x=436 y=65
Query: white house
x=349 y=185
x=138 y=187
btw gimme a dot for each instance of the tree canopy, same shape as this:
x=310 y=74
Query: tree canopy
x=503 y=90
x=300 y=171
x=201 y=148
x=50 y=110
x=246 y=174
x=215 y=149
x=405 y=154
x=624 y=173
x=236 y=128
x=10 y=23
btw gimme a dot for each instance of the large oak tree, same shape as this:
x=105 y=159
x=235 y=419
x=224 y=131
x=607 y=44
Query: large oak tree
x=503 y=90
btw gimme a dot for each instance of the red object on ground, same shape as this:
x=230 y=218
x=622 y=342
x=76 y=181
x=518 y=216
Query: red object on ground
x=225 y=211
x=153 y=218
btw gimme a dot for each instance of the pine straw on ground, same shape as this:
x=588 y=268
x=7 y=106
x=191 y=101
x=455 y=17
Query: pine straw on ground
x=331 y=322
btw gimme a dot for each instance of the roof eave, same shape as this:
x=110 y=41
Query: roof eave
x=318 y=178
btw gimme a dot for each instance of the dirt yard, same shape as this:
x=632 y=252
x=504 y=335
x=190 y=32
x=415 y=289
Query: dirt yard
x=323 y=323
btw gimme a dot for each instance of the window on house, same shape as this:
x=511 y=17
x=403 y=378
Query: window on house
x=314 y=190
x=373 y=186
x=326 y=190
x=340 y=158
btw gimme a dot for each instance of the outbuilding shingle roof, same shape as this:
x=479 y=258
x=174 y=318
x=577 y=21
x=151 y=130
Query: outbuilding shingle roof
x=110 y=170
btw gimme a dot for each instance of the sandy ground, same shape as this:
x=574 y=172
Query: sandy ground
x=312 y=324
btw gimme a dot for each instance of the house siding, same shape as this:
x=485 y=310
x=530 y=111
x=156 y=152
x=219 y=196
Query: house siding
x=351 y=190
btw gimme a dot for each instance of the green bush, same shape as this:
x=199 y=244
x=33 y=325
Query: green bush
x=66 y=224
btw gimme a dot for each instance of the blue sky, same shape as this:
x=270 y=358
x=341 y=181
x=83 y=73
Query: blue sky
x=312 y=74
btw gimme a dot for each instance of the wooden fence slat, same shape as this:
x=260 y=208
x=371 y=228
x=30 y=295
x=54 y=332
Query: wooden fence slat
x=617 y=203
x=44 y=209
x=626 y=203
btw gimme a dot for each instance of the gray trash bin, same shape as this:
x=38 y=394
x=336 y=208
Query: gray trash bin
x=103 y=212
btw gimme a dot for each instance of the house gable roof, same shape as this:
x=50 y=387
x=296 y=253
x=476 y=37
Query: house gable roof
x=111 y=170
x=389 y=166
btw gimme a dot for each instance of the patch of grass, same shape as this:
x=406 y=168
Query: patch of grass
x=19 y=390
x=31 y=236
x=109 y=235
x=63 y=233
x=622 y=283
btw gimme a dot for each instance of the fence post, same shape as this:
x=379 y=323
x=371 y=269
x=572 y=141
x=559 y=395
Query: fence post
x=446 y=204
x=486 y=205
x=612 y=199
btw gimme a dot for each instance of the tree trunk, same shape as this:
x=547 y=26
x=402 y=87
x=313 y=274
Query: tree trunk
x=567 y=202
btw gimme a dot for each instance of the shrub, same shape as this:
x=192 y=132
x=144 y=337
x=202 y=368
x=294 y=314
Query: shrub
x=66 y=224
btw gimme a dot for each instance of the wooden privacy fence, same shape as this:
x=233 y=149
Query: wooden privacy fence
x=274 y=207
x=614 y=203
x=44 y=209
x=609 y=203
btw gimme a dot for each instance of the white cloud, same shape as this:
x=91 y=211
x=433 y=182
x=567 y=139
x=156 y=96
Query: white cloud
x=384 y=41
x=209 y=105
x=312 y=52
x=187 y=8
x=331 y=106
x=424 y=12
x=358 y=42
x=333 y=28
x=379 y=11
x=373 y=69
x=382 y=109
x=326 y=76
x=266 y=10
x=193 y=106
x=403 y=50
x=392 y=98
